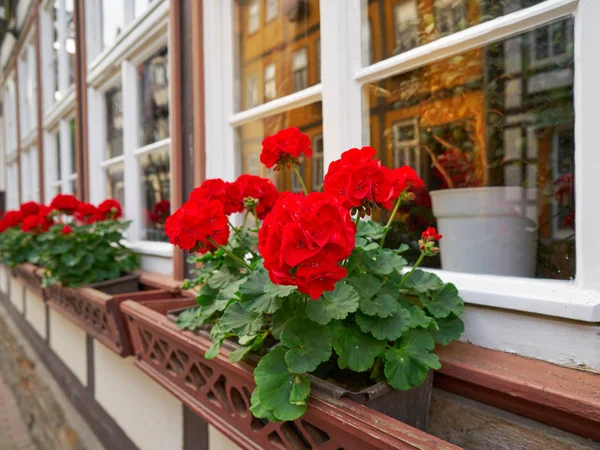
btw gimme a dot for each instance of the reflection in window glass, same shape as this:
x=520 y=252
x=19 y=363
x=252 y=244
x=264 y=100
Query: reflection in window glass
x=113 y=20
x=309 y=119
x=484 y=129
x=398 y=26
x=70 y=41
x=115 y=183
x=153 y=75
x=55 y=49
x=252 y=91
x=58 y=175
x=283 y=53
x=114 y=122
x=73 y=149
x=156 y=194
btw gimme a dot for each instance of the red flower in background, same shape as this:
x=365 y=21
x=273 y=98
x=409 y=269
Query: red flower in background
x=160 y=212
x=284 y=148
x=66 y=230
x=459 y=167
x=360 y=181
x=29 y=209
x=431 y=234
x=304 y=239
x=109 y=209
x=11 y=219
x=36 y=223
x=86 y=213
x=65 y=203
x=196 y=223
x=564 y=189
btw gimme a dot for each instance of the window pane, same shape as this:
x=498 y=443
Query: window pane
x=58 y=150
x=281 y=50
x=115 y=185
x=73 y=148
x=55 y=49
x=491 y=133
x=309 y=119
x=140 y=7
x=113 y=20
x=153 y=76
x=393 y=27
x=70 y=41
x=114 y=122
x=156 y=194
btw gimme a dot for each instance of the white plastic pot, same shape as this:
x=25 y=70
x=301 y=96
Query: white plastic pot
x=486 y=230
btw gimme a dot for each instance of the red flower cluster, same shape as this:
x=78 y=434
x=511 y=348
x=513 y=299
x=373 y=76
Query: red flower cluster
x=160 y=212
x=10 y=220
x=38 y=222
x=284 y=148
x=29 y=209
x=247 y=192
x=304 y=239
x=86 y=213
x=65 y=203
x=66 y=230
x=198 y=222
x=459 y=167
x=109 y=209
x=431 y=234
x=360 y=181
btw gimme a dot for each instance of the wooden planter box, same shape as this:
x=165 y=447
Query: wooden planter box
x=31 y=276
x=219 y=392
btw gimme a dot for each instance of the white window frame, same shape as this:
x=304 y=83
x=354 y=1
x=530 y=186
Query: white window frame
x=345 y=126
x=27 y=85
x=141 y=39
x=30 y=189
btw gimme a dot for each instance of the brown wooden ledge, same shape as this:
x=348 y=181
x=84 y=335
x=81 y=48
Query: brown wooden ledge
x=565 y=398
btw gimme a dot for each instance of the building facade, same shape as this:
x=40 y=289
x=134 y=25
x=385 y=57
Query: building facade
x=141 y=100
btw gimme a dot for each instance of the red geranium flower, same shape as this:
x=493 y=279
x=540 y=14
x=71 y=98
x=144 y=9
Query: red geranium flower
x=304 y=239
x=86 y=213
x=29 y=209
x=359 y=181
x=109 y=209
x=11 y=219
x=66 y=230
x=37 y=223
x=284 y=148
x=160 y=212
x=193 y=226
x=65 y=203
x=255 y=193
x=431 y=234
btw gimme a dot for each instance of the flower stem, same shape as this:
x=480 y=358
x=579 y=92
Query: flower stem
x=245 y=218
x=235 y=230
x=297 y=172
x=231 y=255
x=390 y=220
x=357 y=220
x=407 y=276
x=255 y=219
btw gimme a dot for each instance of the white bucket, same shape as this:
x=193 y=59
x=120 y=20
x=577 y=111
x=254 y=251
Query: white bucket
x=486 y=230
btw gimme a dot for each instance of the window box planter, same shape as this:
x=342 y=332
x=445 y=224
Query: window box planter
x=410 y=407
x=32 y=276
x=219 y=391
x=98 y=311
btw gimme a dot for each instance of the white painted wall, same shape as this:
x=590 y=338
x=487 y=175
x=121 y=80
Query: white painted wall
x=69 y=343
x=16 y=293
x=147 y=413
x=218 y=441
x=559 y=341
x=35 y=313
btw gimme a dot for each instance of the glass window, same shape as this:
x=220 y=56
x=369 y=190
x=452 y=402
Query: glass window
x=57 y=154
x=153 y=77
x=114 y=122
x=402 y=25
x=55 y=50
x=272 y=9
x=73 y=158
x=252 y=91
x=113 y=20
x=253 y=17
x=140 y=7
x=309 y=119
x=116 y=185
x=156 y=194
x=317 y=162
x=70 y=41
x=484 y=128
x=282 y=52
x=300 y=69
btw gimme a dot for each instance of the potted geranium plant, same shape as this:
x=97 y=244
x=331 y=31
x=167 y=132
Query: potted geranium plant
x=310 y=292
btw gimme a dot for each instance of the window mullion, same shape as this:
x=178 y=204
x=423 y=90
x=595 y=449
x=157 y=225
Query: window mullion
x=131 y=170
x=587 y=136
x=65 y=155
x=63 y=63
x=341 y=58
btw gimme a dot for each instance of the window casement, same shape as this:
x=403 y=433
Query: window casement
x=27 y=85
x=30 y=190
x=272 y=10
x=300 y=69
x=474 y=92
x=270 y=88
x=128 y=110
x=59 y=158
x=252 y=91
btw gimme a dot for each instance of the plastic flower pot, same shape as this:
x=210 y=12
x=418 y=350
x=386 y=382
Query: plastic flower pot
x=487 y=230
x=410 y=407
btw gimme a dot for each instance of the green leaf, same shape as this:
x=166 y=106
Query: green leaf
x=356 y=350
x=383 y=261
x=214 y=349
x=383 y=306
x=420 y=281
x=285 y=394
x=450 y=329
x=365 y=285
x=255 y=283
x=222 y=278
x=408 y=362
x=239 y=354
x=258 y=409
x=443 y=302
x=230 y=291
x=240 y=321
x=333 y=305
x=206 y=295
x=190 y=319
x=418 y=318
x=390 y=328
x=309 y=344
x=259 y=294
x=402 y=248
x=370 y=229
